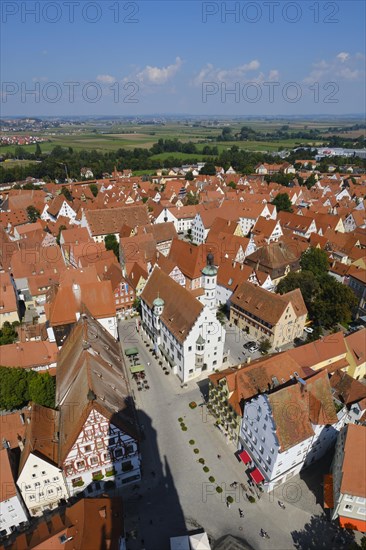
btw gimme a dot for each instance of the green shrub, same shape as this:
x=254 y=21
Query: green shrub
x=184 y=428
x=180 y=419
x=192 y=442
x=218 y=489
x=79 y=483
x=201 y=460
x=251 y=499
x=230 y=500
x=206 y=469
x=211 y=479
x=196 y=451
x=193 y=404
x=97 y=477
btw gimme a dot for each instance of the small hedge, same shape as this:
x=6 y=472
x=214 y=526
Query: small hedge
x=218 y=489
x=201 y=460
x=211 y=479
x=192 y=442
x=206 y=469
x=196 y=451
x=230 y=500
x=193 y=404
x=98 y=477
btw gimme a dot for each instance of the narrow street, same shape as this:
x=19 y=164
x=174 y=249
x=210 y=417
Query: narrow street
x=175 y=494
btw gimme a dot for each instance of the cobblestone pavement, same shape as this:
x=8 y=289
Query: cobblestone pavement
x=176 y=495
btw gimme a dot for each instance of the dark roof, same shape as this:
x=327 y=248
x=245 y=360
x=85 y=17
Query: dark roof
x=90 y=364
x=181 y=309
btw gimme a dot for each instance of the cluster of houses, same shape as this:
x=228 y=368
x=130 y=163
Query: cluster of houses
x=20 y=140
x=88 y=444
x=177 y=251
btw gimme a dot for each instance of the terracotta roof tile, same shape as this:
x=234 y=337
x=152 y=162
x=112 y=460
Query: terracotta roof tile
x=354 y=462
x=181 y=309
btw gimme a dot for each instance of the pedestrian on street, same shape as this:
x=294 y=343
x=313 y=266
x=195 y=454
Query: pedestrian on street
x=219 y=457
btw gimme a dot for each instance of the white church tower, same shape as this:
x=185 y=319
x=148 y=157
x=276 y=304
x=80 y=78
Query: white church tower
x=158 y=306
x=209 y=282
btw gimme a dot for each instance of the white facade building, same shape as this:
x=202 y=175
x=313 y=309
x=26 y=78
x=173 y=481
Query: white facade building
x=13 y=512
x=289 y=429
x=41 y=481
x=101 y=453
x=184 y=331
x=41 y=484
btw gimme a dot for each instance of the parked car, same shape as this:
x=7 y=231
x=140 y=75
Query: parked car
x=249 y=345
x=309 y=330
x=253 y=349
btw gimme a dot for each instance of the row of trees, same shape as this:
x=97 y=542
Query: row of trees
x=247 y=133
x=65 y=162
x=328 y=301
x=19 y=386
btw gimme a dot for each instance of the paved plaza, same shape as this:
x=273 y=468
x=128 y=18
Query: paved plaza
x=175 y=494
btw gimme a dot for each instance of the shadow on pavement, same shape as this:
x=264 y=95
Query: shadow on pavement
x=313 y=476
x=320 y=534
x=152 y=506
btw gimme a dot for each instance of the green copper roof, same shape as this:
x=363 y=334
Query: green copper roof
x=159 y=302
x=209 y=270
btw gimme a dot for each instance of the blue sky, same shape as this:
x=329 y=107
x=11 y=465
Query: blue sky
x=130 y=58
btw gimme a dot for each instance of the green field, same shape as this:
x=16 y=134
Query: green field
x=110 y=137
x=12 y=163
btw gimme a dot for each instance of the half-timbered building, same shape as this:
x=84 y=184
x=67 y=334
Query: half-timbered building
x=98 y=427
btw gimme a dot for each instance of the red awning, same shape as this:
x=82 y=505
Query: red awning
x=256 y=476
x=244 y=457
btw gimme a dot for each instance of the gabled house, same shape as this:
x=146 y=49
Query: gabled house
x=357 y=218
x=8 y=300
x=348 y=478
x=60 y=206
x=277 y=444
x=269 y=230
x=262 y=314
x=299 y=225
x=109 y=221
x=277 y=259
x=124 y=293
x=98 y=430
x=40 y=480
x=67 y=301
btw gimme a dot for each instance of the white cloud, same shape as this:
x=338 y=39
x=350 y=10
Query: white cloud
x=106 y=79
x=274 y=75
x=343 y=66
x=343 y=56
x=159 y=75
x=244 y=73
